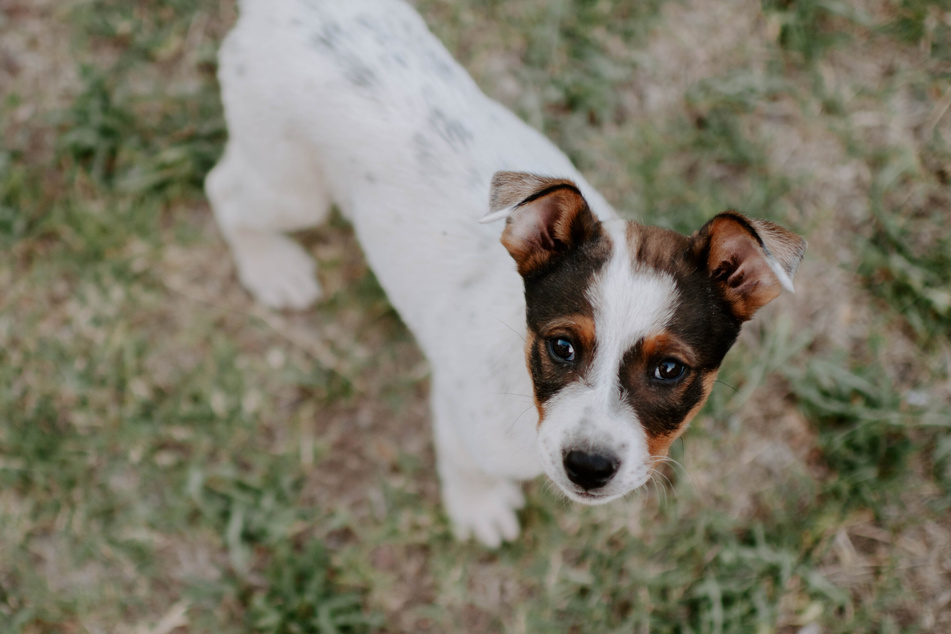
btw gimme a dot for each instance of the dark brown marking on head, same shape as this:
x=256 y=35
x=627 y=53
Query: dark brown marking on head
x=531 y=341
x=702 y=328
x=661 y=407
x=722 y=276
x=702 y=321
x=548 y=374
x=556 y=304
x=659 y=446
x=558 y=246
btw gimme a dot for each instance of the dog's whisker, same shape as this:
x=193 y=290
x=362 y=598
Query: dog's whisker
x=669 y=486
x=515 y=422
x=661 y=486
x=678 y=468
x=560 y=496
x=514 y=394
x=656 y=472
x=734 y=388
x=656 y=492
x=520 y=336
x=662 y=482
x=636 y=493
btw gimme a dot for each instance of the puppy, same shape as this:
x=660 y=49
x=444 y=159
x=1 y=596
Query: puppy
x=584 y=358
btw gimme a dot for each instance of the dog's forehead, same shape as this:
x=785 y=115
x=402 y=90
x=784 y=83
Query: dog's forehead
x=633 y=295
x=627 y=281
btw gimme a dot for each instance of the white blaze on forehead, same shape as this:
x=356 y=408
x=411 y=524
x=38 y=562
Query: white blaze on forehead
x=629 y=304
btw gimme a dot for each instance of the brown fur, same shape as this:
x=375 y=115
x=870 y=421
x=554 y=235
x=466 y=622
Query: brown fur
x=659 y=446
x=737 y=249
x=546 y=222
x=667 y=344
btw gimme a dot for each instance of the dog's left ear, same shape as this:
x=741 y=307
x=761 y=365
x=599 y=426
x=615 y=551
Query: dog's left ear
x=544 y=217
x=751 y=261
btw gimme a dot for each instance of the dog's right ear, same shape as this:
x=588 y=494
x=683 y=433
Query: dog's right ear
x=544 y=217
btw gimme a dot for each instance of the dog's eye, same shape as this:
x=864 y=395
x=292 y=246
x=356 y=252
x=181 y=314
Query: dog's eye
x=561 y=350
x=669 y=370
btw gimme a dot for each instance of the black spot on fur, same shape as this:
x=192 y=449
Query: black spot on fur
x=452 y=131
x=328 y=37
x=332 y=39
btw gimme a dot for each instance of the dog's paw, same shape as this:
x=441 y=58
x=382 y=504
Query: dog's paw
x=485 y=510
x=276 y=270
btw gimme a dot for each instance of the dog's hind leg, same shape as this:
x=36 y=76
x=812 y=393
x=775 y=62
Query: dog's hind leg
x=478 y=505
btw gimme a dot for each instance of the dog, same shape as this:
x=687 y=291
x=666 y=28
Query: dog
x=521 y=284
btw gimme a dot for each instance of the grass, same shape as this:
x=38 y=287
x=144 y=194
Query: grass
x=174 y=458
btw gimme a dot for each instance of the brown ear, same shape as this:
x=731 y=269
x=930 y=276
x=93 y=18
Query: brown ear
x=544 y=217
x=750 y=260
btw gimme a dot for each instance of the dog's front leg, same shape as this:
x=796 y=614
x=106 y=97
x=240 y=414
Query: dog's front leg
x=478 y=504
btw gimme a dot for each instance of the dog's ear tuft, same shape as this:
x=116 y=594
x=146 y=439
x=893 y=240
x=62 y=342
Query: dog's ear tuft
x=544 y=217
x=750 y=260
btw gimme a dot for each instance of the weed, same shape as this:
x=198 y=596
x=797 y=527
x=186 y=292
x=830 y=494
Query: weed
x=921 y=22
x=300 y=597
x=810 y=28
x=96 y=127
x=906 y=262
x=118 y=142
x=863 y=435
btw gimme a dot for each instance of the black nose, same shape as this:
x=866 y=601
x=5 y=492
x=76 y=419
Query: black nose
x=590 y=470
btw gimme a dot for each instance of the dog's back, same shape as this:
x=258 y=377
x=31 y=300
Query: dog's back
x=365 y=82
x=361 y=101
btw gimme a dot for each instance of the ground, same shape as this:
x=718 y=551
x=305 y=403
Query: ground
x=175 y=458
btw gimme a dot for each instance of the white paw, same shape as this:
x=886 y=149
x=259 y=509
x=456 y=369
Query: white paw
x=484 y=509
x=275 y=269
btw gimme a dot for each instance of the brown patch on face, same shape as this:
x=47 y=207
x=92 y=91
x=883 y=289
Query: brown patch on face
x=665 y=345
x=659 y=446
x=531 y=341
x=558 y=246
x=556 y=304
x=662 y=405
x=660 y=249
x=700 y=331
x=703 y=323
x=550 y=374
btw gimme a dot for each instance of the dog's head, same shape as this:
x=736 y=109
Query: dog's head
x=627 y=324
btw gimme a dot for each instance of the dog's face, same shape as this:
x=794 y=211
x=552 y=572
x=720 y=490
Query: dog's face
x=627 y=325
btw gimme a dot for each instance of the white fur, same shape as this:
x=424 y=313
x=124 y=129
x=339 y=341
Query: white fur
x=356 y=104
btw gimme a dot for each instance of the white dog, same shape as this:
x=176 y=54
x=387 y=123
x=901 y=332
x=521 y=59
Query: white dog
x=622 y=326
